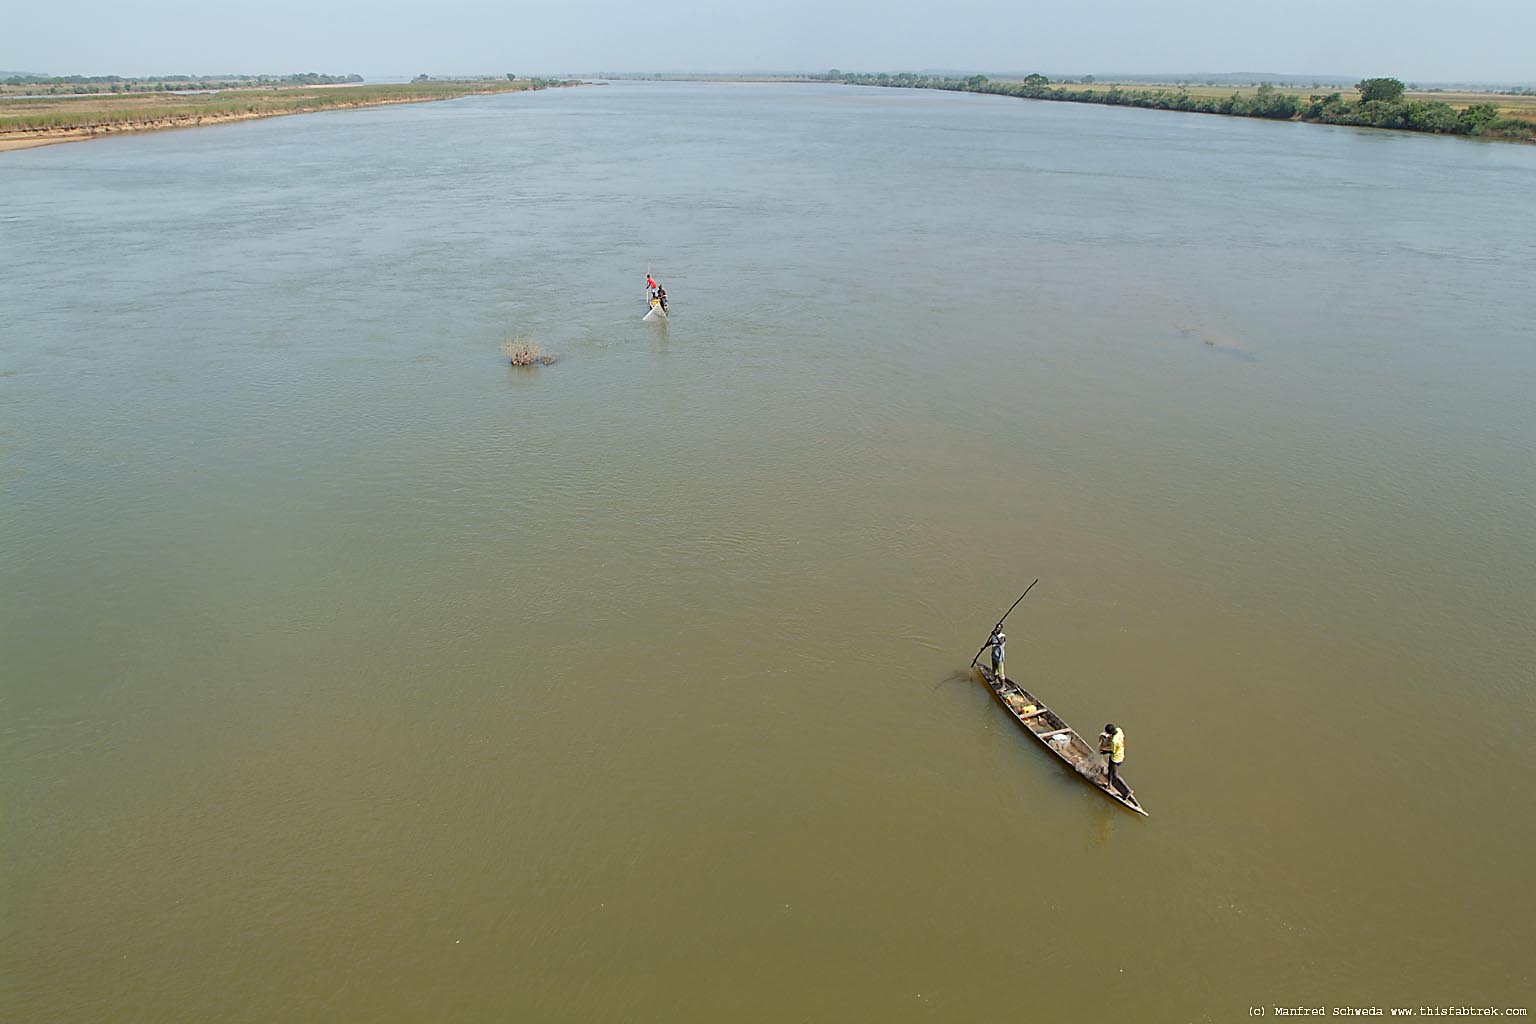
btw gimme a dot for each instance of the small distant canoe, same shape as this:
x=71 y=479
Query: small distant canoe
x=656 y=311
x=1058 y=737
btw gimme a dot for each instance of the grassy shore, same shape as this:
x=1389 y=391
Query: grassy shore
x=35 y=122
x=1380 y=103
x=1520 y=107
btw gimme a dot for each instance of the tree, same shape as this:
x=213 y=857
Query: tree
x=1271 y=102
x=1386 y=90
x=1037 y=79
x=1321 y=108
x=1476 y=118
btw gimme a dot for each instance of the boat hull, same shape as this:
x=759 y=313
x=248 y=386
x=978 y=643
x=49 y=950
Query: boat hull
x=1058 y=737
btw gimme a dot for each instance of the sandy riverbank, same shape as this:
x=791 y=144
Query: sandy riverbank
x=27 y=138
x=52 y=136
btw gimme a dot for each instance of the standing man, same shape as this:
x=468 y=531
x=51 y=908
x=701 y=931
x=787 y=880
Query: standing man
x=997 y=642
x=1112 y=746
x=650 y=283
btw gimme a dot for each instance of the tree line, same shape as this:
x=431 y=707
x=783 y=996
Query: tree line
x=1380 y=102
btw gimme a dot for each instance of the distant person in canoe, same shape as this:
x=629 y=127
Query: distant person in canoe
x=661 y=296
x=997 y=642
x=1112 y=746
x=650 y=284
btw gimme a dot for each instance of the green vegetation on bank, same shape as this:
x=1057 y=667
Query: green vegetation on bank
x=1381 y=103
x=141 y=110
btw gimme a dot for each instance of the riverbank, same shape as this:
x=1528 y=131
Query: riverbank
x=26 y=123
x=1484 y=118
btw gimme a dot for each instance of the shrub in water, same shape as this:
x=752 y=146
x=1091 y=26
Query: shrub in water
x=523 y=352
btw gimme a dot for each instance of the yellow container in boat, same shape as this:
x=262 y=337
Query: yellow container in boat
x=1026 y=709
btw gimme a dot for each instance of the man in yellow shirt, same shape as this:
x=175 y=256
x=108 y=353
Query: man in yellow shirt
x=1112 y=746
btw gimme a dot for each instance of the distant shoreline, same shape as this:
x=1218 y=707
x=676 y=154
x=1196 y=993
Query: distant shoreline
x=1394 y=109
x=1489 y=116
x=76 y=119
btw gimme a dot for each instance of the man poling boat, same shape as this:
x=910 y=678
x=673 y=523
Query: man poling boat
x=998 y=638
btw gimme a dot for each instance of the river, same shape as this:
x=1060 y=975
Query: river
x=352 y=674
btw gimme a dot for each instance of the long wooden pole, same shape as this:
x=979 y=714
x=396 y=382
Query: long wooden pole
x=1000 y=623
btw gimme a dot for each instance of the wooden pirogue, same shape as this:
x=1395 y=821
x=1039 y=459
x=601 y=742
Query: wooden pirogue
x=1057 y=736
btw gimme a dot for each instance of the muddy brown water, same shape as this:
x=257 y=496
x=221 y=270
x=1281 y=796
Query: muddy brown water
x=351 y=674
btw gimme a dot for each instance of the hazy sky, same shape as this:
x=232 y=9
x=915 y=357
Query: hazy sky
x=1410 y=39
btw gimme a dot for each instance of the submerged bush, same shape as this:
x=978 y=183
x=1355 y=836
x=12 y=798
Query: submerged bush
x=523 y=352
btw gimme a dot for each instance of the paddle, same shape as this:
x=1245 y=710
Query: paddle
x=1000 y=623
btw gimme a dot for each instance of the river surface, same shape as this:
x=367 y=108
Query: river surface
x=351 y=674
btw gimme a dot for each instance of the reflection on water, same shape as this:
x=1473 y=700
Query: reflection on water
x=1103 y=826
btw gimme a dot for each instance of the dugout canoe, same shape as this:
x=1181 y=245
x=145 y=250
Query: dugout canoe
x=1058 y=737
